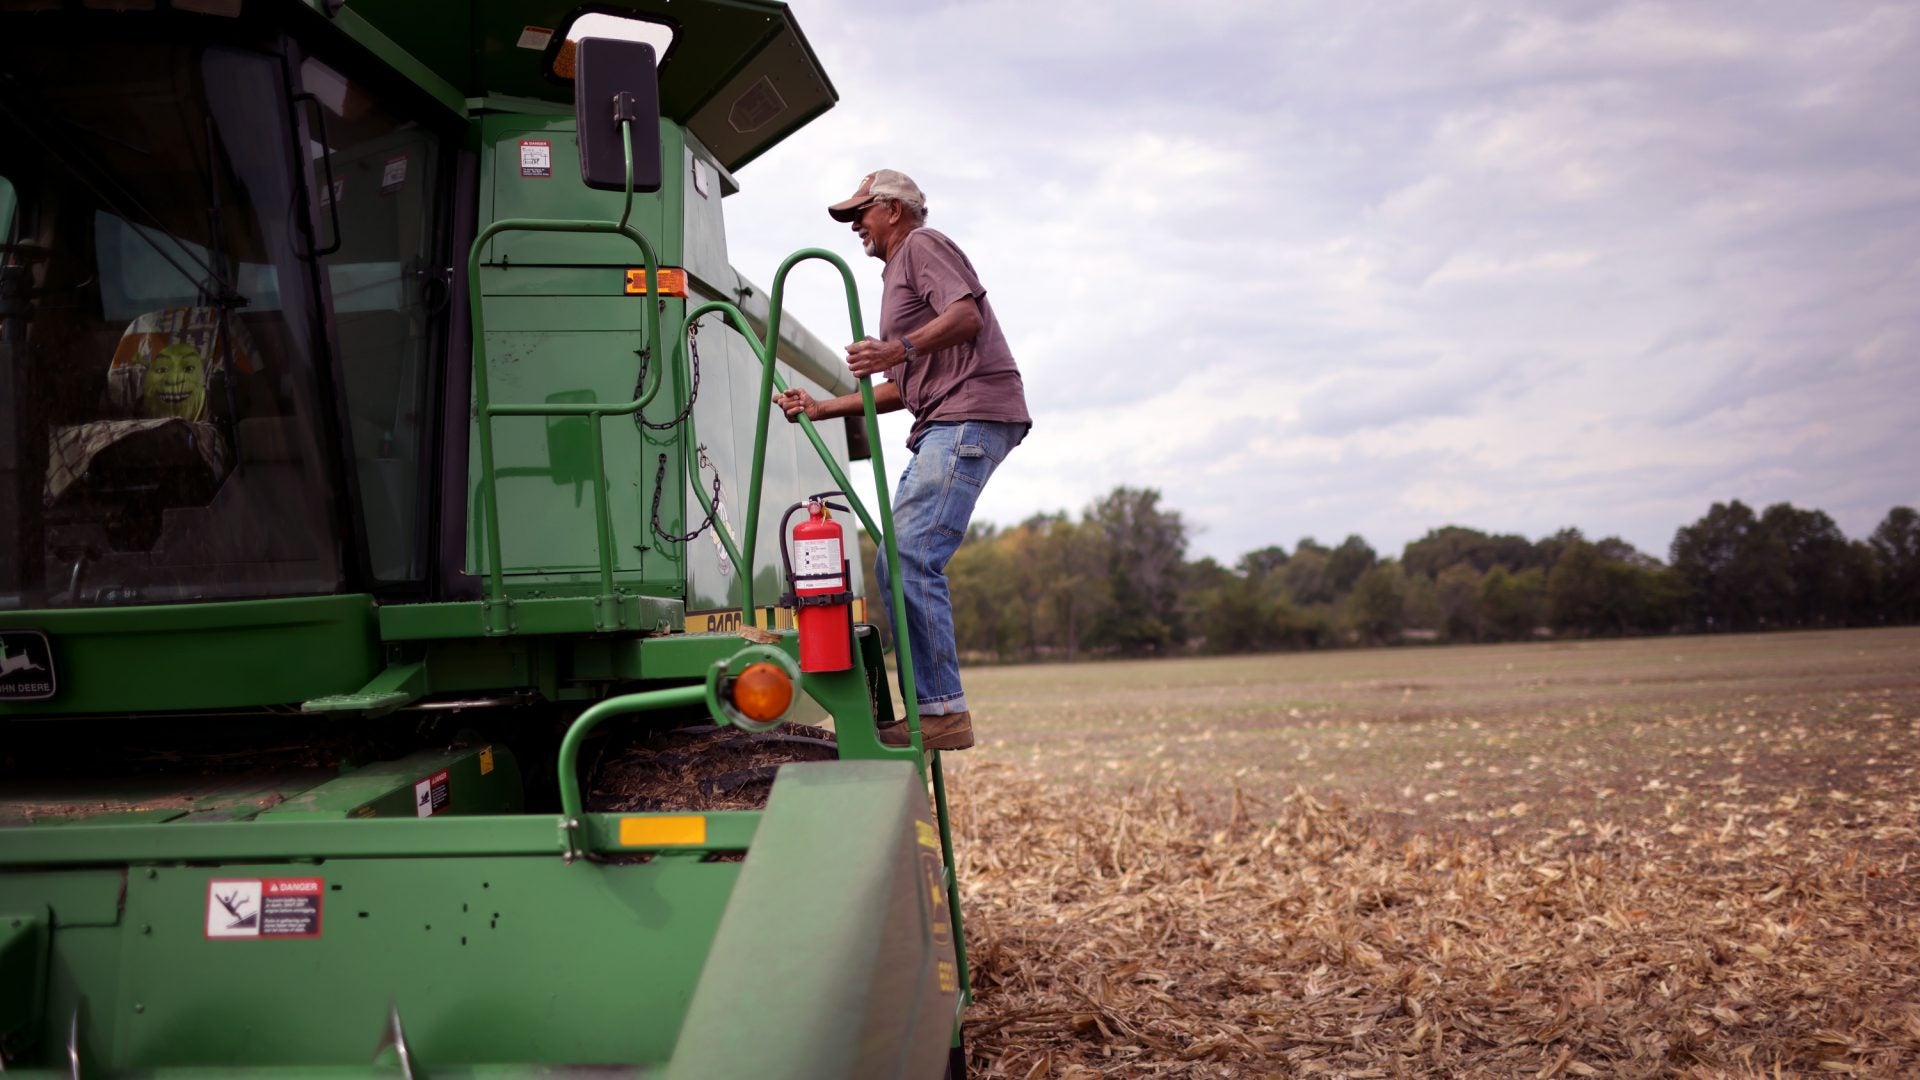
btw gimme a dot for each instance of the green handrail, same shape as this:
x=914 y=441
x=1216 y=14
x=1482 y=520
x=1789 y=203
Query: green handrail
x=485 y=410
x=770 y=380
x=571 y=807
x=885 y=530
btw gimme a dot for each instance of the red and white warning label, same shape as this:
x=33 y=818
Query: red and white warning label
x=812 y=557
x=536 y=158
x=264 y=907
x=394 y=176
x=430 y=795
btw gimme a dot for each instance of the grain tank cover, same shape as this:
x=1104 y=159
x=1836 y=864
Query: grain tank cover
x=739 y=74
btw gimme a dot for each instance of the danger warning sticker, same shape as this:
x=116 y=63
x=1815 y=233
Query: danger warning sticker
x=264 y=907
x=536 y=158
x=394 y=176
x=431 y=794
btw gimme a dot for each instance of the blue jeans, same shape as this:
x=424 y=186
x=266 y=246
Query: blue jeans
x=931 y=510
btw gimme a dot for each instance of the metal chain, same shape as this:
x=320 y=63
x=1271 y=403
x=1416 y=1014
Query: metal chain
x=693 y=389
x=659 y=487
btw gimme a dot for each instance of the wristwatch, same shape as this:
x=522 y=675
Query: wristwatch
x=906 y=343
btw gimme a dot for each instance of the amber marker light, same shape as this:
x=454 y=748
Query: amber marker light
x=673 y=282
x=762 y=692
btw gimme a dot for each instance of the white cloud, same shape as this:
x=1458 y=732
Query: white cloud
x=1329 y=270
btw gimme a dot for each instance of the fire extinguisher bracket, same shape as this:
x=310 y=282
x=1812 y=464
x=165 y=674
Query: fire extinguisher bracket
x=816 y=600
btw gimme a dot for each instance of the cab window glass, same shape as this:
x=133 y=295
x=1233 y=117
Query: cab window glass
x=143 y=268
x=162 y=430
x=379 y=175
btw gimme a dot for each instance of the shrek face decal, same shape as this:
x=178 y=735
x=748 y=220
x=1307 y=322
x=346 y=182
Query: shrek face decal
x=175 y=384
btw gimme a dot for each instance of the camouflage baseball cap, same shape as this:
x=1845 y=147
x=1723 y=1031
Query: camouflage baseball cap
x=881 y=183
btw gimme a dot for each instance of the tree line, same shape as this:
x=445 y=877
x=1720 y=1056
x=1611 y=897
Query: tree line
x=1116 y=580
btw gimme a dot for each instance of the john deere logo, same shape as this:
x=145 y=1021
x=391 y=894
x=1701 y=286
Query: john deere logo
x=26 y=666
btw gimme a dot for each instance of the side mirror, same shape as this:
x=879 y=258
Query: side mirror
x=615 y=80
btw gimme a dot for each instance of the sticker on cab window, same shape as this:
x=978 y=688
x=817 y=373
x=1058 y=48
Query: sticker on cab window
x=394 y=176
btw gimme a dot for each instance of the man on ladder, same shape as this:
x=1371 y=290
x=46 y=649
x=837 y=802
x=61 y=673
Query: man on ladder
x=946 y=362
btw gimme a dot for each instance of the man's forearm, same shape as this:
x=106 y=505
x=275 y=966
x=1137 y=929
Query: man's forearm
x=886 y=399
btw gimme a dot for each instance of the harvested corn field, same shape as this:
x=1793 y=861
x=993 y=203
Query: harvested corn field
x=1673 y=857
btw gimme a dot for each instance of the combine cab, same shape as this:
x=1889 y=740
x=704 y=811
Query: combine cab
x=391 y=681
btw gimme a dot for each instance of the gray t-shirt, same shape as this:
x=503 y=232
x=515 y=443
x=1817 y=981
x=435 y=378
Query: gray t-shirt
x=974 y=380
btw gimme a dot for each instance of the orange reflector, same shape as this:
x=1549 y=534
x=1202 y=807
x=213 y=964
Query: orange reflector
x=763 y=692
x=663 y=831
x=673 y=282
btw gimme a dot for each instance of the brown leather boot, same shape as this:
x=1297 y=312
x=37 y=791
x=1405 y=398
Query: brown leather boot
x=953 y=731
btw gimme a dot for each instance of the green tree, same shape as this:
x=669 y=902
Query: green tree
x=1305 y=576
x=1579 y=593
x=1146 y=549
x=1262 y=562
x=1896 y=543
x=1807 y=555
x=1378 y=603
x=1450 y=544
x=1422 y=611
x=1512 y=604
x=1604 y=588
x=1458 y=594
x=1347 y=562
x=1721 y=559
x=986 y=611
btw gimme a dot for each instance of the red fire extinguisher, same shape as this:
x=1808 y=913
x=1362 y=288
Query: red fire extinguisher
x=819 y=588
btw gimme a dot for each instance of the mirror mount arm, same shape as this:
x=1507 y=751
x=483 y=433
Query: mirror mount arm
x=626 y=146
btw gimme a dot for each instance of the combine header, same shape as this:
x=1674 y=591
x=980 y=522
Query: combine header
x=387 y=473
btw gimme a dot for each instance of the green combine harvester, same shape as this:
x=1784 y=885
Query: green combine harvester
x=394 y=677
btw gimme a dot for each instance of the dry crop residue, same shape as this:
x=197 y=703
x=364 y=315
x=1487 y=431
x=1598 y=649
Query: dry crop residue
x=1755 y=927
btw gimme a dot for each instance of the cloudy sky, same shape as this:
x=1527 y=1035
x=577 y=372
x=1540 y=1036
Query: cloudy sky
x=1316 y=269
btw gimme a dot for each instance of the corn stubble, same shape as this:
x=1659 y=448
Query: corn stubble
x=1131 y=934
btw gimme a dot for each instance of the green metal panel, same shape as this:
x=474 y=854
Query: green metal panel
x=433 y=62
x=469 y=780
x=23 y=970
x=98 y=845
x=425 y=42
x=203 y=656
x=562 y=195
x=725 y=363
x=497 y=960
x=397 y=685
x=544 y=464
x=871 y=988
x=151 y=798
x=705 y=247
x=739 y=71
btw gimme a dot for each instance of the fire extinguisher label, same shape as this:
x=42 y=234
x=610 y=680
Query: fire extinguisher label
x=817 y=557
